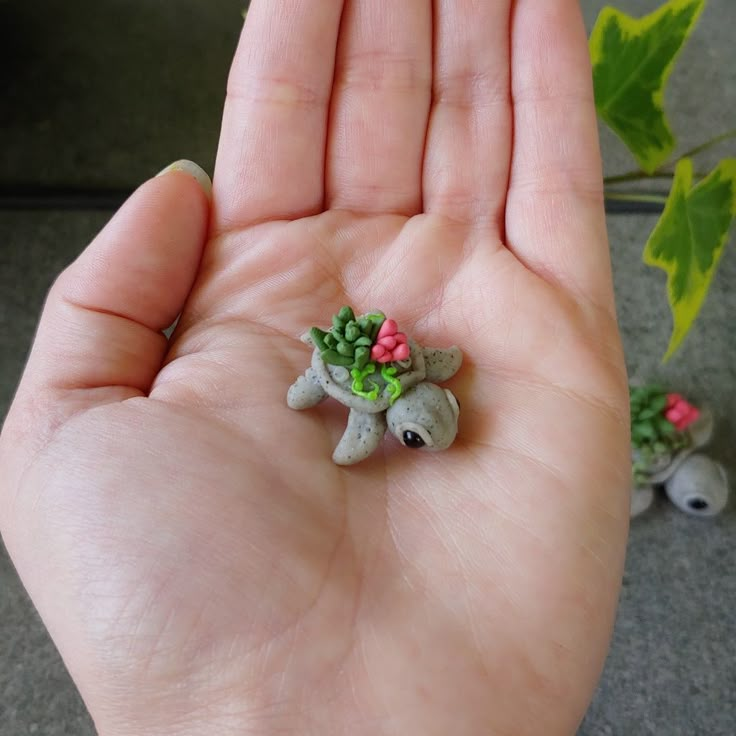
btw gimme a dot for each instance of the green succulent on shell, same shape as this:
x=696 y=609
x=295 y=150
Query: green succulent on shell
x=648 y=424
x=348 y=342
x=652 y=434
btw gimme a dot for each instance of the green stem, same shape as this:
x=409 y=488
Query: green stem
x=709 y=144
x=661 y=173
x=632 y=197
x=635 y=176
x=358 y=387
x=389 y=373
x=643 y=176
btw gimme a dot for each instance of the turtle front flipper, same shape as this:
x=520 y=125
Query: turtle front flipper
x=442 y=364
x=361 y=438
x=306 y=391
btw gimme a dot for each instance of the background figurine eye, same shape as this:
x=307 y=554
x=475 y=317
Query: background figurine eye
x=413 y=440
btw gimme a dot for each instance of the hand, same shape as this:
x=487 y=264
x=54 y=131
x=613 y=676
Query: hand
x=202 y=565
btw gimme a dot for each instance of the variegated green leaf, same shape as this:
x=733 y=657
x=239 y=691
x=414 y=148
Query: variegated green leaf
x=632 y=61
x=689 y=238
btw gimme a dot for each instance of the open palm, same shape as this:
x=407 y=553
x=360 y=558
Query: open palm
x=202 y=564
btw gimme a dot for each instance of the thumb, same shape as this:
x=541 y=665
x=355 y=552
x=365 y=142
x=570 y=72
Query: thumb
x=100 y=337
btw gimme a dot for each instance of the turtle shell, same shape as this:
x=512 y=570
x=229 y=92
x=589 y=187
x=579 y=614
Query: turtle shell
x=661 y=467
x=337 y=381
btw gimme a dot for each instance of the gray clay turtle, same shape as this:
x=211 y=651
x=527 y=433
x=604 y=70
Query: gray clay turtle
x=694 y=483
x=424 y=416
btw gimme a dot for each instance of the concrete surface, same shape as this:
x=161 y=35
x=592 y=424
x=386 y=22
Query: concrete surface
x=105 y=92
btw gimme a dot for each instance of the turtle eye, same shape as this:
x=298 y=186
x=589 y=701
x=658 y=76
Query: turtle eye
x=412 y=440
x=413 y=435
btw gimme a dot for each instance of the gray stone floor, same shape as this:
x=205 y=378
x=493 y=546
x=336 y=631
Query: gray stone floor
x=105 y=92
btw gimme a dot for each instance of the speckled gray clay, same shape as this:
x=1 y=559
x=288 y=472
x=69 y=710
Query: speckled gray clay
x=699 y=487
x=429 y=411
x=425 y=409
x=694 y=483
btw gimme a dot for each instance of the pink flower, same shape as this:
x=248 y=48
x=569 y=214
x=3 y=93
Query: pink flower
x=390 y=344
x=679 y=412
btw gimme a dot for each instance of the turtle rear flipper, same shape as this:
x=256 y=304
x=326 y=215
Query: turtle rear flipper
x=361 y=438
x=306 y=391
x=441 y=364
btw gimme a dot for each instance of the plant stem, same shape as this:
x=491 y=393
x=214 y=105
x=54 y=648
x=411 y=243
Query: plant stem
x=660 y=173
x=633 y=197
x=635 y=176
x=643 y=176
x=709 y=144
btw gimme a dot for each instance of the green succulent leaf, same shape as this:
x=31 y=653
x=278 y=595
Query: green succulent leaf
x=318 y=338
x=637 y=437
x=332 y=357
x=345 y=348
x=689 y=239
x=375 y=329
x=346 y=314
x=352 y=332
x=647 y=413
x=644 y=394
x=348 y=344
x=362 y=356
x=665 y=427
x=632 y=61
x=658 y=403
x=646 y=430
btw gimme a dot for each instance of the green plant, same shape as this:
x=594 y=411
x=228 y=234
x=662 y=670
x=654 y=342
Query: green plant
x=653 y=435
x=349 y=341
x=632 y=61
x=349 y=344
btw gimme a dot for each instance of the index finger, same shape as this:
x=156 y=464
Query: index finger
x=270 y=161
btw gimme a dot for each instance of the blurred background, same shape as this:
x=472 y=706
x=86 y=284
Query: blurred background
x=98 y=95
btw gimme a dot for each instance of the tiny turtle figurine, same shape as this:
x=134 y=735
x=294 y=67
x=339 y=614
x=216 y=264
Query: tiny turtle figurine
x=666 y=433
x=386 y=380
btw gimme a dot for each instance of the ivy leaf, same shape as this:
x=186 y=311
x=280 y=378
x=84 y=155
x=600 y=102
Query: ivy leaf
x=632 y=61
x=689 y=238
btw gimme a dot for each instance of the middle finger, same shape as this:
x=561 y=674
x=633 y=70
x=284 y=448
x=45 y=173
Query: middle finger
x=469 y=139
x=380 y=104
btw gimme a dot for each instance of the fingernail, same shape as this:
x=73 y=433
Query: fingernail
x=194 y=170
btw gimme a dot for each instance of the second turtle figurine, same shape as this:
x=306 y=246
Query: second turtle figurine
x=667 y=431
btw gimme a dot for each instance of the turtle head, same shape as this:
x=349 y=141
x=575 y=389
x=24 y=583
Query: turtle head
x=425 y=417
